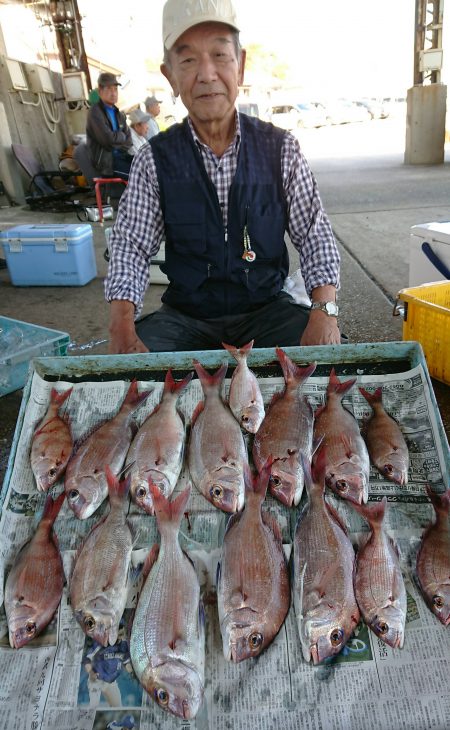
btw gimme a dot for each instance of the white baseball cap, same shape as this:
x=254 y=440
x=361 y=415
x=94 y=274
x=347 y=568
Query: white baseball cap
x=180 y=15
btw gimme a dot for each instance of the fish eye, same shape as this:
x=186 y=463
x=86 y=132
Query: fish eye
x=275 y=481
x=255 y=640
x=341 y=485
x=216 y=491
x=162 y=696
x=438 y=601
x=30 y=628
x=89 y=622
x=336 y=637
x=382 y=627
x=73 y=494
x=141 y=491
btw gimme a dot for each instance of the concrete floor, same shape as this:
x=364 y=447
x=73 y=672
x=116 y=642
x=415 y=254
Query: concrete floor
x=372 y=202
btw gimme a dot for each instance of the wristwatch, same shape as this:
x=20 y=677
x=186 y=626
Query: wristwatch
x=330 y=308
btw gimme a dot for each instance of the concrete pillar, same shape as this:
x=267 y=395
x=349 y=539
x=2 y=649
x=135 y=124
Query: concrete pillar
x=9 y=173
x=425 y=125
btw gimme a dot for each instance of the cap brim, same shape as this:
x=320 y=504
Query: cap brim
x=172 y=37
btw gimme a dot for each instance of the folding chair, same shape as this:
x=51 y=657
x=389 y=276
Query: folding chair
x=48 y=189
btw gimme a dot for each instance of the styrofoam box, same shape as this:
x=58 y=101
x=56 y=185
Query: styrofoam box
x=421 y=269
x=50 y=255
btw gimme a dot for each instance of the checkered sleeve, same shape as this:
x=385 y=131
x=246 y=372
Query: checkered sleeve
x=137 y=233
x=308 y=225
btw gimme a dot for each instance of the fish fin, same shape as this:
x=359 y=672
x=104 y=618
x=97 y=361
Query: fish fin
x=335 y=385
x=178 y=643
x=133 y=398
x=291 y=371
x=239 y=353
x=315 y=475
x=59 y=398
x=337 y=518
x=440 y=502
x=176 y=386
x=322 y=579
x=150 y=560
x=373 y=512
x=117 y=490
x=166 y=511
x=52 y=507
x=258 y=483
x=210 y=381
x=372 y=398
x=198 y=409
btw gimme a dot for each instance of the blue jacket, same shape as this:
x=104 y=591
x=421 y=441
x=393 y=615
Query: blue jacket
x=208 y=276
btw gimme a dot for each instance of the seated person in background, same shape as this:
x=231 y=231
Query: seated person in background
x=153 y=109
x=108 y=135
x=139 y=129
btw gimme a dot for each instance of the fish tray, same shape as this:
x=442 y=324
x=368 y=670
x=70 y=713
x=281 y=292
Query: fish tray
x=426 y=318
x=348 y=360
x=20 y=342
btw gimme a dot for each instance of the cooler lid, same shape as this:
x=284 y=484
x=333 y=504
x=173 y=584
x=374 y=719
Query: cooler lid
x=437 y=231
x=36 y=233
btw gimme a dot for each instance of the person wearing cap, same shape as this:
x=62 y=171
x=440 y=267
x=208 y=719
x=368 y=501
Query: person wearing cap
x=108 y=136
x=152 y=107
x=139 y=129
x=223 y=189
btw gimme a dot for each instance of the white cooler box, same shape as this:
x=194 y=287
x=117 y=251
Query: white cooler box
x=429 y=253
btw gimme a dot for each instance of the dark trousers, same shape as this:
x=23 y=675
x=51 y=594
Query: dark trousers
x=121 y=165
x=281 y=322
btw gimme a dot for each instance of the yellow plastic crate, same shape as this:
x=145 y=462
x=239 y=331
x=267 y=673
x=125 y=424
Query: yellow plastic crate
x=426 y=319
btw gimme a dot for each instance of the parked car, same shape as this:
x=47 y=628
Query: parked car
x=286 y=116
x=313 y=114
x=343 y=111
x=375 y=107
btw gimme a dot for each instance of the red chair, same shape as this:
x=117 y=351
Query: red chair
x=98 y=182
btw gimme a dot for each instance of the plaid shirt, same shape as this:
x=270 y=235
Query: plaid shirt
x=139 y=228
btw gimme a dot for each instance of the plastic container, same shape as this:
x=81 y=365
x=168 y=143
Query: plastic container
x=429 y=252
x=20 y=342
x=426 y=319
x=50 y=255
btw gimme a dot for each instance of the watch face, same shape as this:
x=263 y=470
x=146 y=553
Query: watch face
x=331 y=308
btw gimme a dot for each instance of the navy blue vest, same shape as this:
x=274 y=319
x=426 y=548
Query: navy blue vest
x=208 y=276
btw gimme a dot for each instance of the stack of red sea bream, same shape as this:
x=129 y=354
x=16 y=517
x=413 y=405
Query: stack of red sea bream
x=333 y=586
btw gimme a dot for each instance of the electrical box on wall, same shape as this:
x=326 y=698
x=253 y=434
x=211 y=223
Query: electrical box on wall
x=39 y=79
x=75 y=86
x=17 y=79
x=430 y=59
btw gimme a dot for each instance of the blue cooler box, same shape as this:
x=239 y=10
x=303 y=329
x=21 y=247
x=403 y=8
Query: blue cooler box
x=50 y=255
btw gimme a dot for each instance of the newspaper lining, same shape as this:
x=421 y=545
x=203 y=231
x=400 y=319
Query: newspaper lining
x=51 y=683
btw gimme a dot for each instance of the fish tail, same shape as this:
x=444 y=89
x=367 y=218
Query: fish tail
x=372 y=398
x=210 y=382
x=291 y=371
x=239 y=353
x=373 y=513
x=335 y=385
x=133 y=398
x=176 y=386
x=318 y=470
x=58 y=398
x=117 y=489
x=52 y=507
x=169 y=512
x=440 y=502
x=258 y=483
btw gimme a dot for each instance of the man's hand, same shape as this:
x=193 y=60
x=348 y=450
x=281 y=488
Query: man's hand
x=122 y=332
x=321 y=330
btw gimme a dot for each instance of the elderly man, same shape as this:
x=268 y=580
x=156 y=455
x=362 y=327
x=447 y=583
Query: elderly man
x=222 y=188
x=107 y=134
x=139 y=129
x=153 y=109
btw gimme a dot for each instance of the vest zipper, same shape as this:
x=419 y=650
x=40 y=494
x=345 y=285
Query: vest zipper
x=246 y=275
x=209 y=270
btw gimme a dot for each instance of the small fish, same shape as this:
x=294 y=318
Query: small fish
x=167 y=644
x=157 y=450
x=348 y=463
x=217 y=453
x=286 y=432
x=51 y=446
x=85 y=482
x=35 y=582
x=385 y=441
x=433 y=559
x=245 y=397
x=252 y=583
x=324 y=599
x=379 y=587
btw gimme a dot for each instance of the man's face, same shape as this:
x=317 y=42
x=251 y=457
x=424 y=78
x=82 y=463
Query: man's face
x=141 y=128
x=108 y=94
x=205 y=71
x=154 y=109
